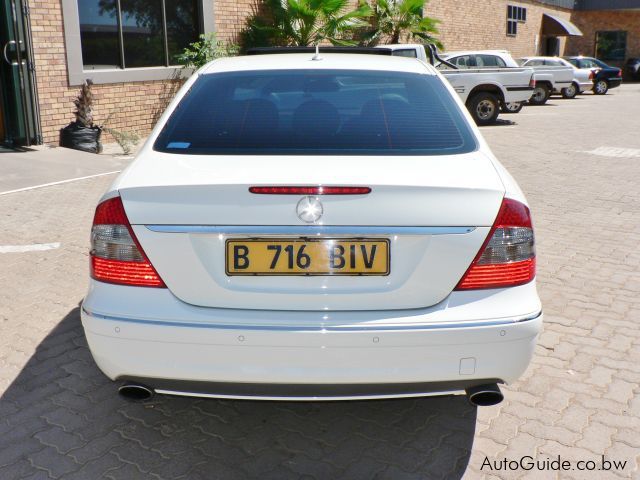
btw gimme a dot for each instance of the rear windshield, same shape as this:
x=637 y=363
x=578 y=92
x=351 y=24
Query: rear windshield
x=307 y=112
x=600 y=63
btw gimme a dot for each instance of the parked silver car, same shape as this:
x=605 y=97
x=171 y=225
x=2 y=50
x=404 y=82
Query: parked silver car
x=582 y=77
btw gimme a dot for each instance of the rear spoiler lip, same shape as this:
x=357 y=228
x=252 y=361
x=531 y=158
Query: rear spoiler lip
x=328 y=49
x=431 y=50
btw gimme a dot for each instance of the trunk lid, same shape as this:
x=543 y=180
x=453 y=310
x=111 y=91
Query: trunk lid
x=186 y=210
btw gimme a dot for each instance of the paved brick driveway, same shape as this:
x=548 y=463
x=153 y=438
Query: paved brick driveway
x=61 y=418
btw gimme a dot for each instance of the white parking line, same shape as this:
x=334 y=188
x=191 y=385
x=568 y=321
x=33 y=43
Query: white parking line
x=36 y=247
x=616 y=152
x=58 y=183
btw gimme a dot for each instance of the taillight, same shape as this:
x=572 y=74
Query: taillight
x=507 y=257
x=116 y=255
x=591 y=74
x=619 y=73
x=290 y=190
x=532 y=82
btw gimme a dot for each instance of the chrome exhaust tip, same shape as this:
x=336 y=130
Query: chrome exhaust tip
x=484 y=395
x=135 y=392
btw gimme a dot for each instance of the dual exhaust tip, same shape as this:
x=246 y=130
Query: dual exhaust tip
x=478 y=396
x=484 y=395
x=135 y=392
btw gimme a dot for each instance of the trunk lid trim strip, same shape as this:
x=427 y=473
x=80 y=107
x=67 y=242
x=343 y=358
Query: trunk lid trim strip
x=309 y=230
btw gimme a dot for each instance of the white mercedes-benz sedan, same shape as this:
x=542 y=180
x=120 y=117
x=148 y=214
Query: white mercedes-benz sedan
x=303 y=226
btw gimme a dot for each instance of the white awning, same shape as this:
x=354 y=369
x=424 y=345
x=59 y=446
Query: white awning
x=554 y=25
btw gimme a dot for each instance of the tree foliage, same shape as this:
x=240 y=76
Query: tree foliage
x=304 y=23
x=393 y=21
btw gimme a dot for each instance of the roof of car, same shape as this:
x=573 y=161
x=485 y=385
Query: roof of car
x=474 y=52
x=541 y=57
x=300 y=61
x=399 y=46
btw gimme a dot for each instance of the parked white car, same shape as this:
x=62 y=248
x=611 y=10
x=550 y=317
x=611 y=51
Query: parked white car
x=582 y=78
x=547 y=79
x=484 y=91
x=480 y=59
x=302 y=226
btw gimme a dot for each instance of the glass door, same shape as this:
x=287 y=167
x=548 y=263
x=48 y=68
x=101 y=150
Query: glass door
x=18 y=103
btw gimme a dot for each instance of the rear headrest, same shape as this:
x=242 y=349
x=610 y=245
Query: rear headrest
x=244 y=114
x=315 y=119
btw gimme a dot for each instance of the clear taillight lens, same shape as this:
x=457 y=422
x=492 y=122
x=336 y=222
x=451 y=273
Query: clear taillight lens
x=116 y=255
x=509 y=244
x=508 y=256
x=113 y=242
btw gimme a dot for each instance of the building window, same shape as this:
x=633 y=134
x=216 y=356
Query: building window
x=514 y=16
x=113 y=41
x=611 y=45
x=135 y=34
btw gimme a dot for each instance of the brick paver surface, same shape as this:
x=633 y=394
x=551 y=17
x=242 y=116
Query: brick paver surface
x=578 y=162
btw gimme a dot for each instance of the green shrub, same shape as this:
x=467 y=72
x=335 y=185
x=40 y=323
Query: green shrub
x=205 y=49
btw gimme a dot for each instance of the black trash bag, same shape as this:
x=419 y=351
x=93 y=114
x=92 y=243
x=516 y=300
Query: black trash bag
x=79 y=137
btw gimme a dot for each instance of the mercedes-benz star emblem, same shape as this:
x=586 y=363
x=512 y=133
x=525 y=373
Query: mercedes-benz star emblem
x=309 y=209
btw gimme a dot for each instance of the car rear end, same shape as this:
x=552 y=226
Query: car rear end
x=614 y=77
x=611 y=75
x=584 y=77
x=313 y=229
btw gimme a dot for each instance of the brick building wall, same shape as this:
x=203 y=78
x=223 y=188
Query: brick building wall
x=593 y=21
x=483 y=25
x=231 y=17
x=133 y=106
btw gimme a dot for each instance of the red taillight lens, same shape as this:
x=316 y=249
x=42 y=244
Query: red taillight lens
x=619 y=73
x=116 y=255
x=532 y=82
x=310 y=190
x=507 y=257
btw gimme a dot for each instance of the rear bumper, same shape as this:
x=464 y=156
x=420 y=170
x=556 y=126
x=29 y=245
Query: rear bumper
x=614 y=82
x=518 y=94
x=357 y=360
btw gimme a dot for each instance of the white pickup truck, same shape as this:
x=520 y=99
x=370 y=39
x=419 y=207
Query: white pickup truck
x=549 y=79
x=484 y=91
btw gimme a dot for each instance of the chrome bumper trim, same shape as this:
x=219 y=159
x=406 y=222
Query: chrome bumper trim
x=304 y=392
x=348 y=328
x=309 y=230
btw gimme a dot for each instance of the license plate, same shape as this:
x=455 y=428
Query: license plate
x=307 y=256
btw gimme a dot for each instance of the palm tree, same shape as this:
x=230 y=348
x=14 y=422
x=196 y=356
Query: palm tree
x=391 y=20
x=303 y=23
